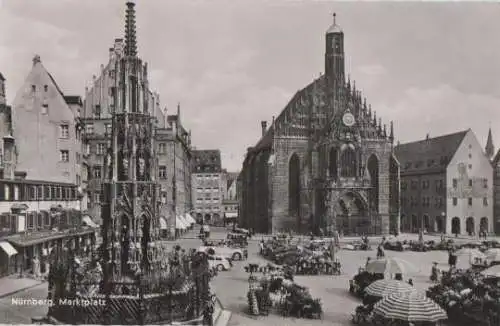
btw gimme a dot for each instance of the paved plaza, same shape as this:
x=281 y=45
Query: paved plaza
x=232 y=286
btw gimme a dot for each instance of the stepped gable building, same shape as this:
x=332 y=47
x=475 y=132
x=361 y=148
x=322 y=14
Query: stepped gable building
x=325 y=163
x=208 y=187
x=446 y=185
x=495 y=161
x=229 y=197
x=98 y=105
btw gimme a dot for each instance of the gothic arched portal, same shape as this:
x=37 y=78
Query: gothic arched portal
x=294 y=187
x=374 y=172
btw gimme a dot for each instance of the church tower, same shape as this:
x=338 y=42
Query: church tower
x=490 y=148
x=130 y=219
x=334 y=53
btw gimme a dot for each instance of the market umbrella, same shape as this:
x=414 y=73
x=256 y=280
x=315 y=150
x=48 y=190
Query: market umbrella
x=493 y=271
x=385 y=287
x=493 y=254
x=410 y=307
x=471 y=252
x=390 y=265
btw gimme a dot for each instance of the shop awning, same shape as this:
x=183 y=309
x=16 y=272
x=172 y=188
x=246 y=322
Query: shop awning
x=7 y=248
x=190 y=219
x=87 y=220
x=231 y=215
x=163 y=223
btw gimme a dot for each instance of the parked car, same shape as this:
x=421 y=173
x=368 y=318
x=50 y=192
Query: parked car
x=227 y=252
x=396 y=246
x=242 y=231
x=219 y=263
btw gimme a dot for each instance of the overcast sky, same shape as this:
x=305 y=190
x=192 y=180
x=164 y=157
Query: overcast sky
x=431 y=67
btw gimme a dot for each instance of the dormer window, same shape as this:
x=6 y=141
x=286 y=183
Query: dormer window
x=33 y=88
x=45 y=88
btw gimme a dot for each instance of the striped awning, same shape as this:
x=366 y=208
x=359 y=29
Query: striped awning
x=383 y=288
x=410 y=307
x=8 y=249
x=190 y=219
x=163 y=223
x=179 y=224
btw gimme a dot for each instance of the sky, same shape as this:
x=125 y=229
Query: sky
x=432 y=68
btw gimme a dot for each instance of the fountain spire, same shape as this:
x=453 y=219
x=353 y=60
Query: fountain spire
x=130 y=31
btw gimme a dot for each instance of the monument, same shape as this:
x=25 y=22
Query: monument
x=130 y=278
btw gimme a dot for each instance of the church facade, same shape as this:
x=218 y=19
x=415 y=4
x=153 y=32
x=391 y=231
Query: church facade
x=326 y=162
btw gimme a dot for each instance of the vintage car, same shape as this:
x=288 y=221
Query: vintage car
x=242 y=231
x=227 y=252
x=237 y=239
x=396 y=245
x=219 y=263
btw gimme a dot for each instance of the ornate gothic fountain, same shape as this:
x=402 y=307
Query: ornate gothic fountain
x=131 y=278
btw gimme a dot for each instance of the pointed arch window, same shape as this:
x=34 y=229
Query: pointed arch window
x=348 y=161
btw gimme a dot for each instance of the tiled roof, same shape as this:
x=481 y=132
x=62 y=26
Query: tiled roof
x=429 y=155
x=207 y=160
x=55 y=84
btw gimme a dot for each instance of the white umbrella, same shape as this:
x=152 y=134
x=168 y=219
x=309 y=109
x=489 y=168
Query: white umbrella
x=411 y=307
x=385 y=287
x=493 y=254
x=471 y=252
x=493 y=271
x=390 y=265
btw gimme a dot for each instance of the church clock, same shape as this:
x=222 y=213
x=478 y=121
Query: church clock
x=348 y=119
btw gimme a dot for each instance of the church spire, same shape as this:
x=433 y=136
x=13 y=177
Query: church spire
x=490 y=149
x=130 y=31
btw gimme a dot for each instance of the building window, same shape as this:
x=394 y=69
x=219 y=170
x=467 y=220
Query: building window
x=87 y=149
x=470 y=201
x=32 y=193
x=16 y=192
x=162 y=148
x=97 y=198
x=46 y=88
x=39 y=192
x=485 y=201
x=64 y=156
x=97 y=111
x=46 y=192
x=97 y=172
x=485 y=183
x=31 y=218
x=101 y=148
x=45 y=108
x=470 y=182
x=455 y=183
x=58 y=192
x=107 y=128
x=162 y=172
x=64 y=131
x=425 y=184
x=6 y=192
x=455 y=201
x=403 y=185
x=78 y=179
x=33 y=88
x=470 y=166
x=78 y=158
x=414 y=184
x=89 y=128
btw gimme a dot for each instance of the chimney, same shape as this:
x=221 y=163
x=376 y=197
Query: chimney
x=264 y=127
x=111 y=53
x=427 y=137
